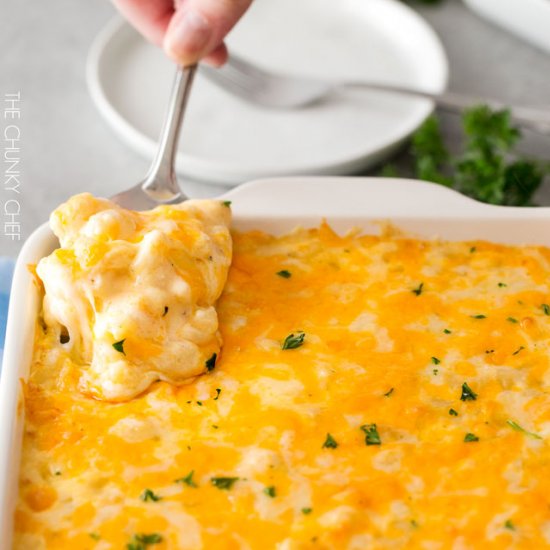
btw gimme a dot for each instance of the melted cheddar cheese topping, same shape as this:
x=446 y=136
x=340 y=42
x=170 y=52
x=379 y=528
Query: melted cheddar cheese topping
x=134 y=292
x=373 y=392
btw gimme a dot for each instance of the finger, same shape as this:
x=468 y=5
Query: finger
x=217 y=57
x=199 y=27
x=149 y=17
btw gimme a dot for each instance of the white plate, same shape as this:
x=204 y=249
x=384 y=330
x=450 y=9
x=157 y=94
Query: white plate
x=226 y=140
x=275 y=205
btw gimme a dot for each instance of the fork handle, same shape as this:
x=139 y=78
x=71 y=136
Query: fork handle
x=534 y=119
x=161 y=182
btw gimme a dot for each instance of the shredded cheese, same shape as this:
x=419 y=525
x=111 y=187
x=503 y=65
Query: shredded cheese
x=238 y=457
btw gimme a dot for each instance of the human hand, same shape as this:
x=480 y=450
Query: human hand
x=188 y=30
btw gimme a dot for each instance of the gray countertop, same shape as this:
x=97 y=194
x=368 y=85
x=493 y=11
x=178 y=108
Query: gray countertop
x=67 y=148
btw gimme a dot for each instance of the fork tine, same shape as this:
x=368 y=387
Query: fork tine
x=230 y=69
x=232 y=83
x=246 y=88
x=243 y=67
x=256 y=85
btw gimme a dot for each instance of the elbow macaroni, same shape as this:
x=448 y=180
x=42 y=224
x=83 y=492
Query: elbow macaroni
x=135 y=291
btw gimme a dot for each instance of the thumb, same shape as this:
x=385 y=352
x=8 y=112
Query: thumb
x=198 y=28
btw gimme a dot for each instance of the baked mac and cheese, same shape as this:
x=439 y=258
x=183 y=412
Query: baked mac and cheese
x=373 y=392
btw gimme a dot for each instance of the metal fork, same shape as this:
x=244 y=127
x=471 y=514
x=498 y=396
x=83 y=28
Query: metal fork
x=281 y=91
x=160 y=185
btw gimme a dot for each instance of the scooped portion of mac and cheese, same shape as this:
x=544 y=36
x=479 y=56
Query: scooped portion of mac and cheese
x=132 y=294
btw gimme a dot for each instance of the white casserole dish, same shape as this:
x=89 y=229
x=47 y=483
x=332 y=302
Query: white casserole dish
x=276 y=206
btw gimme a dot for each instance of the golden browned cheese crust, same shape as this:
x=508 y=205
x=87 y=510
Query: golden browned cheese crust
x=414 y=412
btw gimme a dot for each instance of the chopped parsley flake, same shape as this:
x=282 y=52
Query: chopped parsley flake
x=94 y=536
x=372 y=437
x=211 y=362
x=467 y=393
x=452 y=412
x=518 y=428
x=270 y=491
x=330 y=443
x=284 y=273
x=119 y=346
x=148 y=495
x=227 y=204
x=307 y=511
x=389 y=392
x=435 y=372
x=447 y=331
x=479 y=316
x=199 y=403
x=470 y=438
x=188 y=479
x=224 y=483
x=545 y=309
x=511 y=319
x=218 y=391
x=436 y=361
x=518 y=350
x=509 y=525
x=502 y=285
x=418 y=290
x=414 y=523
x=473 y=249
x=142 y=541
x=293 y=341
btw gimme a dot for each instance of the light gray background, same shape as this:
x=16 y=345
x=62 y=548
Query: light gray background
x=67 y=147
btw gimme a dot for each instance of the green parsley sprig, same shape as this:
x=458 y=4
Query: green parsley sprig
x=210 y=363
x=293 y=341
x=119 y=346
x=330 y=442
x=467 y=394
x=515 y=426
x=372 y=437
x=224 y=483
x=142 y=541
x=488 y=168
x=148 y=495
x=187 y=480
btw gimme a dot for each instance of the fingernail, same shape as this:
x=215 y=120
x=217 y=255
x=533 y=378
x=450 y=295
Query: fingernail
x=188 y=35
